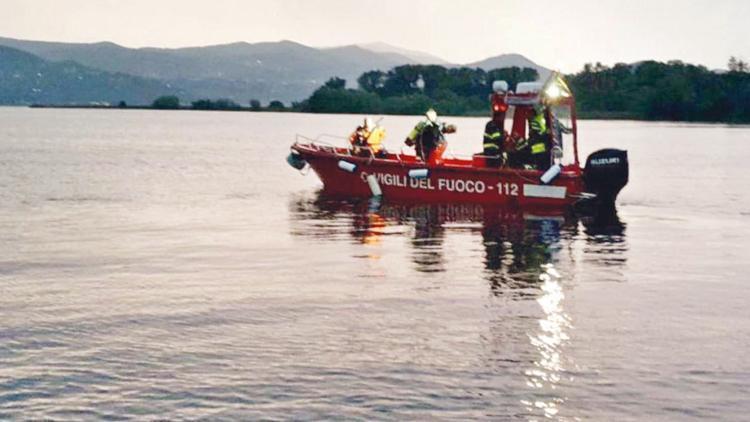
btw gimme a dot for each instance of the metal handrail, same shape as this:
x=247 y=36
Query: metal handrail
x=398 y=156
x=317 y=139
x=319 y=144
x=451 y=152
x=328 y=135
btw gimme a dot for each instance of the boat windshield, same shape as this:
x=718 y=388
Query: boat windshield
x=562 y=131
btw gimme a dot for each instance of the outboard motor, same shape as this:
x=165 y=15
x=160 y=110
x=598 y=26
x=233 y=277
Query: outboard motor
x=605 y=174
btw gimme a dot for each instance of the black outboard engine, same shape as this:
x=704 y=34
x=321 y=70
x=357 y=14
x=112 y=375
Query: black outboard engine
x=605 y=174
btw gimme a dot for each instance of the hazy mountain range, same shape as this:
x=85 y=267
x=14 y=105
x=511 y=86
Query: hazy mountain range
x=54 y=72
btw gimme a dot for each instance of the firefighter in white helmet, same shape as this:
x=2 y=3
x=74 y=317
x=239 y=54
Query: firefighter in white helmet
x=427 y=138
x=368 y=138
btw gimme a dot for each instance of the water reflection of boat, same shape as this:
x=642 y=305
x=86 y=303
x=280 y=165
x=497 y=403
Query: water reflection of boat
x=367 y=219
x=517 y=243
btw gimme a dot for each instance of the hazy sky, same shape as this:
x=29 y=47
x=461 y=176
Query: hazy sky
x=562 y=34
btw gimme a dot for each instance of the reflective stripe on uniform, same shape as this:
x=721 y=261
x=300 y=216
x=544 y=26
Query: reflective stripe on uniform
x=417 y=131
x=494 y=135
x=538 y=148
x=538 y=124
x=491 y=146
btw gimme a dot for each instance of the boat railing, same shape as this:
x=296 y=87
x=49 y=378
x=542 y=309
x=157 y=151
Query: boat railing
x=321 y=145
x=319 y=142
x=323 y=142
x=398 y=156
x=452 y=152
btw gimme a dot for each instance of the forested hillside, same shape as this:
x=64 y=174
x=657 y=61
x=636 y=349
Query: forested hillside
x=27 y=79
x=663 y=91
x=649 y=90
x=411 y=89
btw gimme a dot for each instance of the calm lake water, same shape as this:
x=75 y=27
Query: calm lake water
x=170 y=265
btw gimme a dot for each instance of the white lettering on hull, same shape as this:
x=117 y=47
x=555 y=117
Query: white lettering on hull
x=447 y=185
x=421 y=184
x=462 y=185
x=469 y=186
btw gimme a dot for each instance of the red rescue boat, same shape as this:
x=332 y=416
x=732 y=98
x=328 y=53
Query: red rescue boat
x=400 y=176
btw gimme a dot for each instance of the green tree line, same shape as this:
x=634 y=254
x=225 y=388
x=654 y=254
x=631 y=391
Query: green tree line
x=647 y=90
x=411 y=89
x=171 y=102
x=664 y=91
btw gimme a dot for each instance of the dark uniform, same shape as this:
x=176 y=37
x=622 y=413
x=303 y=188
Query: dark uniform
x=494 y=136
x=539 y=141
x=427 y=136
x=534 y=151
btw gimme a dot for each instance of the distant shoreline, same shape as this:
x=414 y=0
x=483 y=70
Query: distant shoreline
x=581 y=115
x=147 y=107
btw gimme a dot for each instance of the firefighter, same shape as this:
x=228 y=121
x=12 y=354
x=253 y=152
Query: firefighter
x=428 y=140
x=534 y=152
x=367 y=139
x=495 y=136
x=540 y=138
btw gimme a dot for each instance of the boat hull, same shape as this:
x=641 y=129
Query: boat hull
x=455 y=180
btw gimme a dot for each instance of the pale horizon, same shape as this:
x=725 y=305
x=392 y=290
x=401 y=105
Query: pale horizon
x=702 y=32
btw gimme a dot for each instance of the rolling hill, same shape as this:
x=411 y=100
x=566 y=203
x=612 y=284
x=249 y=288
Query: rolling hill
x=27 y=79
x=510 y=60
x=283 y=70
x=416 y=56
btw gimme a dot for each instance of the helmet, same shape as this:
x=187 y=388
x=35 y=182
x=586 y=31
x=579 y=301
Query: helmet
x=431 y=115
x=368 y=123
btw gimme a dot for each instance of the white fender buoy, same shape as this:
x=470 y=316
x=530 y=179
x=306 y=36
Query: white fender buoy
x=551 y=174
x=419 y=173
x=347 y=166
x=374 y=186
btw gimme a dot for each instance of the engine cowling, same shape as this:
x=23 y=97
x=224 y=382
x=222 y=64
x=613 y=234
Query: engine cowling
x=606 y=173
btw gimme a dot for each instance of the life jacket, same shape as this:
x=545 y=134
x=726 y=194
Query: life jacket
x=375 y=139
x=372 y=139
